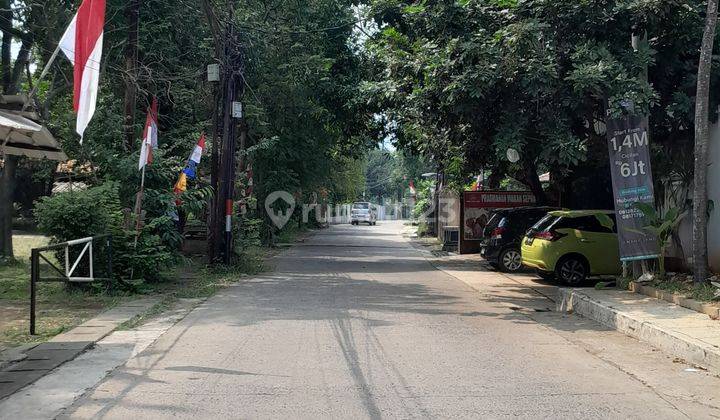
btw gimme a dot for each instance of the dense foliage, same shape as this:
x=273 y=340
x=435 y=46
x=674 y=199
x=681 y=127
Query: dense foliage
x=470 y=79
x=300 y=75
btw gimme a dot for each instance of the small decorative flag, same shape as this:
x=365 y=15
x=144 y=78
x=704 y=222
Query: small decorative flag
x=150 y=136
x=82 y=43
x=181 y=184
x=412 y=188
x=191 y=168
x=477 y=185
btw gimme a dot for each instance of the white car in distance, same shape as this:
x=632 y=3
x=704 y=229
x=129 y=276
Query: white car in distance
x=363 y=212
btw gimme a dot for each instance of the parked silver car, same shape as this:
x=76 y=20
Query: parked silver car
x=363 y=212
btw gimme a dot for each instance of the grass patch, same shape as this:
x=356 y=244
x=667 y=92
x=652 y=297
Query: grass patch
x=684 y=285
x=290 y=233
x=61 y=308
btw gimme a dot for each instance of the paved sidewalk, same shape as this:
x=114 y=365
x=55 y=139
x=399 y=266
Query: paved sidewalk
x=45 y=357
x=681 y=332
x=46 y=398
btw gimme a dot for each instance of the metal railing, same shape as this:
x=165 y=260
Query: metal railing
x=66 y=273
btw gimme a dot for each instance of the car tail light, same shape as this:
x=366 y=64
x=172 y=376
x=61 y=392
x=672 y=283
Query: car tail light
x=549 y=235
x=497 y=233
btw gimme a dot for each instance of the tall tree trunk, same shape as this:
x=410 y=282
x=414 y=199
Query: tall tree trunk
x=533 y=180
x=700 y=198
x=132 y=14
x=7 y=191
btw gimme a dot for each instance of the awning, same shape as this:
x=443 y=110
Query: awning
x=21 y=136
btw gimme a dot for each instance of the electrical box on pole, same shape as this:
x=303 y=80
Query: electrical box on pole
x=213 y=72
x=237 y=109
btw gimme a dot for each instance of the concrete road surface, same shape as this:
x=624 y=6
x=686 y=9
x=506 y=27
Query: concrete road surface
x=355 y=323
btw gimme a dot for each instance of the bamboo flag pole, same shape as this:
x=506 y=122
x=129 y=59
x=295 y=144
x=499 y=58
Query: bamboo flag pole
x=44 y=73
x=138 y=215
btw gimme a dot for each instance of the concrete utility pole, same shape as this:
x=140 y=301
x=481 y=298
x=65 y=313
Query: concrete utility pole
x=232 y=68
x=226 y=119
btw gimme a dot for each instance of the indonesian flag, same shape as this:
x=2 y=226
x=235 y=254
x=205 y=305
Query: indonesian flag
x=192 y=164
x=412 y=188
x=150 y=136
x=82 y=44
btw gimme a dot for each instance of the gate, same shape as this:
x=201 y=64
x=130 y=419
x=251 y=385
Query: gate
x=66 y=274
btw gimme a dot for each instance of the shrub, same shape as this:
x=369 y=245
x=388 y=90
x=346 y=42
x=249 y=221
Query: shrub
x=79 y=214
x=97 y=211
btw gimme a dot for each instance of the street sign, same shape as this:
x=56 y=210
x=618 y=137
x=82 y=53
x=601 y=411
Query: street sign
x=629 y=147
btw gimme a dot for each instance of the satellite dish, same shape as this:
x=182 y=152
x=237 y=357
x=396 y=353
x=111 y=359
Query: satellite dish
x=513 y=155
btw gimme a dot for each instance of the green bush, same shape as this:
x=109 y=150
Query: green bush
x=97 y=211
x=79 y=214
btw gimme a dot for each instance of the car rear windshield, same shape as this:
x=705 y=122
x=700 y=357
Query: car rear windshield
x=585 y=223
x=545 y=223
x=361 y=206
x=492 y=223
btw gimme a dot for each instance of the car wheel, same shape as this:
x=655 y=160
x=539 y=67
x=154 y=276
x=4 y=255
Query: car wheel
x=572 y=271
x=510 y=260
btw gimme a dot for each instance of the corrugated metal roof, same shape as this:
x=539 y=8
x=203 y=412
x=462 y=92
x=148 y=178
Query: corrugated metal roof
x=21 y=136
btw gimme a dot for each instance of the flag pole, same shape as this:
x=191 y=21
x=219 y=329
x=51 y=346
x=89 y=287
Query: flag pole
x=138 y=205
x=44 y=73
x=138 y=214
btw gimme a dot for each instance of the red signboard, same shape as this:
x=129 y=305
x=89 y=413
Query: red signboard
x=479 y=204
x=498 y=199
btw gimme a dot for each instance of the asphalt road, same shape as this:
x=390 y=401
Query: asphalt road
x=356 y=323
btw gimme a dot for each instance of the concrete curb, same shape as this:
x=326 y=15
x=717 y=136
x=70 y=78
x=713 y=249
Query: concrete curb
x=672 y=342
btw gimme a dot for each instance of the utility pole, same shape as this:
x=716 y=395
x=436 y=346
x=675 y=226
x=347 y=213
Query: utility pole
x=220 y=38
x=232 y=69
x=213 y=246
x=226 y=119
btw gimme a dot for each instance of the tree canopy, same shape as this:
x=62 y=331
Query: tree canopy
x=470 y=79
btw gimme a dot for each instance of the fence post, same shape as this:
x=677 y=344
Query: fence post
x=34 y=273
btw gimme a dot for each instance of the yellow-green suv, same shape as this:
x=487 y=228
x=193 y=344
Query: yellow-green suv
x=572 y=245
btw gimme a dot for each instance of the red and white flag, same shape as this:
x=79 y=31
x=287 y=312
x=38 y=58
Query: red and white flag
x=82 y=44
x=150 y=135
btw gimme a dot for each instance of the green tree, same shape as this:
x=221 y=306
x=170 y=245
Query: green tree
x=469 y=80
